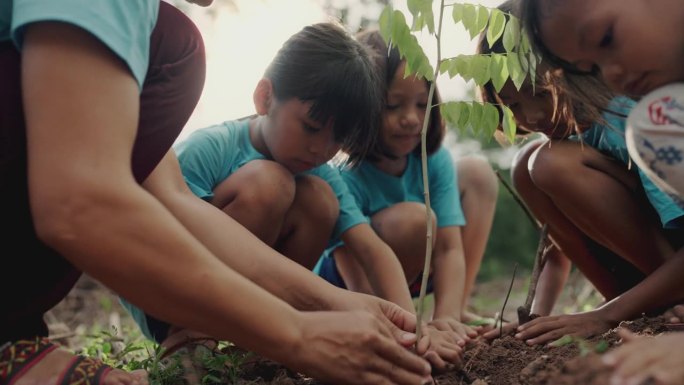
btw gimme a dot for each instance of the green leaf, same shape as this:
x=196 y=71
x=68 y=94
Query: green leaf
x=482 y=20
x=475 y=119
x=508 y=123
x=385 y=22
x=469 y=19
x=463 y=66
x=515 y=70
x=497 y=23
x=565 y=340
x=490 y=119
x=463 y=118
x=498 y=70
x=479 y=69
x=511 y=35
x=601 y=346
x=457 y=13
x=451 y=111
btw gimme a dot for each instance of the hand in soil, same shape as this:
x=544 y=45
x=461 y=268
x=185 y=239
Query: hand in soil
x=442 y=348
x=675 y=314
x=548 y=329
x=652 y=360
x=508 y=328
x=461 y=331
x=355 y=347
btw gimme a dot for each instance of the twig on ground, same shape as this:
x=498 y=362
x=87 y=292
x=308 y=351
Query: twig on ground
x=510 y=287
x=524 y=311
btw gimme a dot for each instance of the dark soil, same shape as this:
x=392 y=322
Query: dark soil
x=505 y=361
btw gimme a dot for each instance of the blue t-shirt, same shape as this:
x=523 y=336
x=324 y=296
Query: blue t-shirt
x=210 y=155
x=122 y=25
x=375 y=190
x=610 y=139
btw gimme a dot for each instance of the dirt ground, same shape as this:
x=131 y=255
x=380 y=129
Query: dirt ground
x=91 y=308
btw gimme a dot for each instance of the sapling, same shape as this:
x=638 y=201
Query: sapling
x=481 y=118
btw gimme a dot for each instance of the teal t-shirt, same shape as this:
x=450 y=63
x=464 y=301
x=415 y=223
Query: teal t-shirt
x=210 y=155
x=610 y=139
x=122 y=25
x=375 y=190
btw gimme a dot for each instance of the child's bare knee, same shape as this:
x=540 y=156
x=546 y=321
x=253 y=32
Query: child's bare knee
x=318 y=197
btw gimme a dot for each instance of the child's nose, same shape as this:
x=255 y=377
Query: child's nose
x=410 y=119
x=613 y=74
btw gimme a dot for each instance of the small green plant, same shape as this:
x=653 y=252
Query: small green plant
x=585 y=347
x=218 y=366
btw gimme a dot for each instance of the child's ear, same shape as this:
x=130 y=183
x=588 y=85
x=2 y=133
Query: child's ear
x=263 y=96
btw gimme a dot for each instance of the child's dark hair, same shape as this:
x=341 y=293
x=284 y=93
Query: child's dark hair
x=325 y=65
x=580 y=86
x=387 y=61
x=568 y=107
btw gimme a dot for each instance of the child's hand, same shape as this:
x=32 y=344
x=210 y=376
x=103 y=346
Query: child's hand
x=464 y=332
x=675 y=314
x=441 y=348
x=650 y=360
x=495 y=332
x=550 y=328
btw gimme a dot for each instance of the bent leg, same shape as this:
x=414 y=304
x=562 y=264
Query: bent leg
x=310 y=221
x=603 y=199
x=478 y=187
x=258 y=195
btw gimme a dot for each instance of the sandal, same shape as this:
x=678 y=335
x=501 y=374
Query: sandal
x=20 y=356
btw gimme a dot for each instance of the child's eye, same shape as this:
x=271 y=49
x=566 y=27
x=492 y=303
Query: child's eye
x=310 y=128
x=422 y=106
x=391 y=107
x=607 y=38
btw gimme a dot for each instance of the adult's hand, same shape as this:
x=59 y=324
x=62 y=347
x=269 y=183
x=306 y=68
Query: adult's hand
x=355 y=347
x=652 y=360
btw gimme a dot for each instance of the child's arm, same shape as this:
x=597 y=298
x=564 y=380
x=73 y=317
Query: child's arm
x=448 y=266
x=551 y=282
x=380 y=264
x=662 y=288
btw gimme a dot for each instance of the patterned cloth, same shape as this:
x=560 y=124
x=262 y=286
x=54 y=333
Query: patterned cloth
x=18 y=357
x=655 y=138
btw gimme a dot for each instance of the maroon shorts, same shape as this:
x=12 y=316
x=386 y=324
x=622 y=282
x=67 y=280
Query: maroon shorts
x=41 y=277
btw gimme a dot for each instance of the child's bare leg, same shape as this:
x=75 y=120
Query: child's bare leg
x=258 y=196
x=478 y=188
x=402 y=227
x=603 y=200
x=309 y=222
x=565 y=234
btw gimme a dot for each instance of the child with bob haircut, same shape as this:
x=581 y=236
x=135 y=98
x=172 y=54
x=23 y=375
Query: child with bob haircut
x=387 y=186
x=270 y=171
